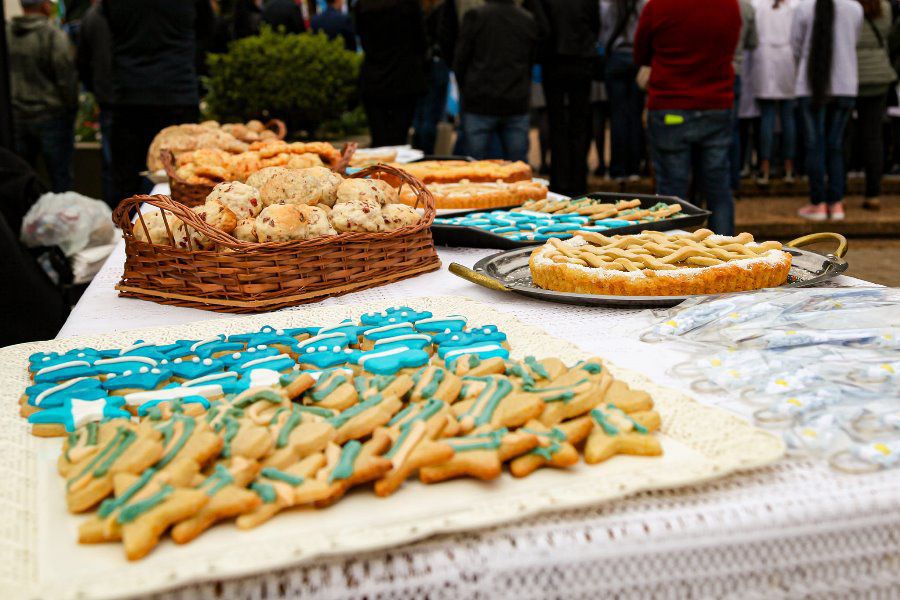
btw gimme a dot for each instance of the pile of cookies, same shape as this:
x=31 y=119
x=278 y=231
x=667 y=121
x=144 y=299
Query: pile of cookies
x=230 y=137
x=541 y=220
x=279 y=204
x=209 y=166
x=181 y=436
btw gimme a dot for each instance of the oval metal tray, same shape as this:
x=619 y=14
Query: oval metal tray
x=510 y=270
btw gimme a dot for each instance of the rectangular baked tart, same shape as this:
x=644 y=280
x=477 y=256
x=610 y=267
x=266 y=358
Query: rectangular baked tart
x=659 y=264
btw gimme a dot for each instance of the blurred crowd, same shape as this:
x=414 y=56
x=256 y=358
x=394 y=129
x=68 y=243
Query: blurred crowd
x=696 y=94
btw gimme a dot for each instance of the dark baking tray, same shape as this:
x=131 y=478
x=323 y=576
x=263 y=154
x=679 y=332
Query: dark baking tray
x=509 y=271
x=473 y=237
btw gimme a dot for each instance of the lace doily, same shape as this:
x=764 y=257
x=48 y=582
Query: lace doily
x=704 y=443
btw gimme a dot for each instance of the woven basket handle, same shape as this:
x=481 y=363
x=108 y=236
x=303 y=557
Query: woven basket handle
x=346 y=154
x=122 y=217
x=423 y=195
x=278 y=126
x=168 y=161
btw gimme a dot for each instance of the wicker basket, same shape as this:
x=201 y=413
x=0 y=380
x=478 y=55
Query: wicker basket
x=251 y=277
x=194 y=194
x=278 y=127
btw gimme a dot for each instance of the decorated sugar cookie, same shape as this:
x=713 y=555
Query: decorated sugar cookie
x=556 y=446
x=492 y=401
x=480 y=455
x=145 y=506
x=49 y=395
x=129 y=450
x=435 y=382
x=617 y=432
x=394 y=314
x=75 y=412
x=228 y=498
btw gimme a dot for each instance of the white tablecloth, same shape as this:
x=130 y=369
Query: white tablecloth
x=793 y=529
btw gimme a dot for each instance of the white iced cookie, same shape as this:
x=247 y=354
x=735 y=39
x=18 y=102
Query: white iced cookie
x=398 y=215
x=242 y=199
x=259 y=178
x=156 y=227
x=373 y=190
x=245 y=230
x=357 y=215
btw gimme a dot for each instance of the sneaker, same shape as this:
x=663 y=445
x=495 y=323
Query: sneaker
x=789 y=178
x=814 y=212
x=634 y=178
x=836 y=211
x=762 y=180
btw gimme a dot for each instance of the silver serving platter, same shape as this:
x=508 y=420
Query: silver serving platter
x=509 y=271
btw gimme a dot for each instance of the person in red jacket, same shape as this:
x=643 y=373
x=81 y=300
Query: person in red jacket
x=689 y=46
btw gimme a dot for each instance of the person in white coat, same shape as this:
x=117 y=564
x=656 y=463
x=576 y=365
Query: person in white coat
x=774 y=74
x=824 y=34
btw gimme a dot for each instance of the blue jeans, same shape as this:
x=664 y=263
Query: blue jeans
x=512 y=131
x=431 y=107
x=767 y=111
x=734 y=153
x=823 y=128
x=52 y=138
x=673 y=136
x=627 y=101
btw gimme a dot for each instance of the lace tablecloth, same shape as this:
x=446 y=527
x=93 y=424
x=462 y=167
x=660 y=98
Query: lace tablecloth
x=794 y=529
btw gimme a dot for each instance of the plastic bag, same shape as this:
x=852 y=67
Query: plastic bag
x=68 y=220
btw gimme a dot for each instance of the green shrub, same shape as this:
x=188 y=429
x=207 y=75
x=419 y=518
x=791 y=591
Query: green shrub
x=303 y=79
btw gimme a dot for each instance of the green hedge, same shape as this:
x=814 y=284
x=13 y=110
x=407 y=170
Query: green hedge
x=303 y=79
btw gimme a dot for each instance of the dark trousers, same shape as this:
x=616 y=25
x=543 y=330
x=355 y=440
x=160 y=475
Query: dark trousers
x=600 y=115
x=767 y=111
x=567 y=88
x=870 y=116
x=51 y=138
x=627 y=102
x=734 y=153
x=390 y=119
x=432 y=107
x=133 y=129
x=823 y=131
x=674 y=136
x=106 y=154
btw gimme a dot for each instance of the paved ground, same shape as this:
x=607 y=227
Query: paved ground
x=876 y=260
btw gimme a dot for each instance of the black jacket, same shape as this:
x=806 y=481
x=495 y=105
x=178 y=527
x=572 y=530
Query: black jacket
x=335 y=23
x=392 y=34
x=283 y=13
x=95 y=55
x=246 y=19
x=574 y=28
x=155 y=47
x=31 y=306
x=497 y=46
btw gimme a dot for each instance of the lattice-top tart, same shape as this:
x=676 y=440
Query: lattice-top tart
x=659 y=264
x=447 y=171
x=481 y=194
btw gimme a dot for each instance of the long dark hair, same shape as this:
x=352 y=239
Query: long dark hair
x=821 y=50
x=625 y=11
